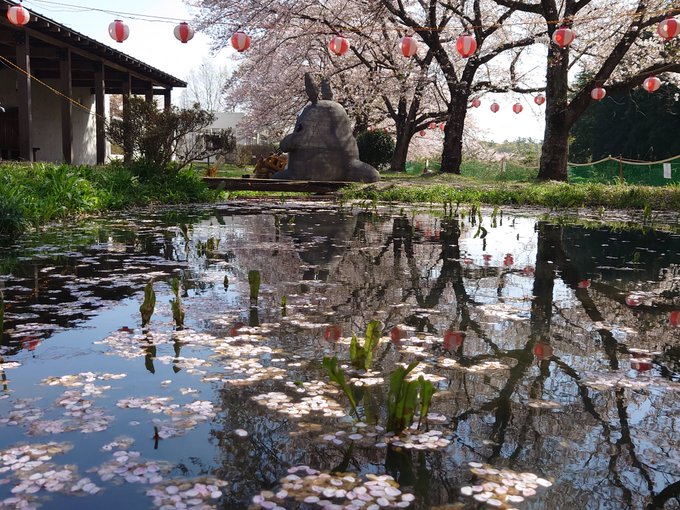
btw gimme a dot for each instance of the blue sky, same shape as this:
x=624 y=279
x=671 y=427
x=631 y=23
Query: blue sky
x=155 y=44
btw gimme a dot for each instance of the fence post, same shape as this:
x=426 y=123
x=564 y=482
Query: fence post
x=621 y=169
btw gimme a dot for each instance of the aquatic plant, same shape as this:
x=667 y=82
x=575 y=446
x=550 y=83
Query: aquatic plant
x=176 y=304
x=149 y=304
x=362 y=356
x=254 y=282
x=283 y=306
x=338 y=376
x=403 y=398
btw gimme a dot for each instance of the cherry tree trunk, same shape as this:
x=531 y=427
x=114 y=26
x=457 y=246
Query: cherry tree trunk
x=398 y=163
x=452 y=153
x=555 y=150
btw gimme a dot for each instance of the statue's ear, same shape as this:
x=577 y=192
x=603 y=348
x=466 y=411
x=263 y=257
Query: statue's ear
x=326 y=90
x=311 y=88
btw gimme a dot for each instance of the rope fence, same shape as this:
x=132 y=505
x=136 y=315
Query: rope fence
x=629 y=171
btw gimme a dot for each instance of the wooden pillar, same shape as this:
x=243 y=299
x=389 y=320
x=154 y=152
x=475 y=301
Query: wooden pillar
x=148 y=92
x=99 y=101
x=66 y=105
x=167 y=99
x=24 y=84
x=127 y=91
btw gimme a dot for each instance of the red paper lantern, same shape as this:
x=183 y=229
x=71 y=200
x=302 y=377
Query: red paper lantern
x=517 y=108
x=598 y=93
x=652 y=84
x=539 y=99
x=668 y=29
x=338 y=45
x=543 y=351
x=674 y=318
x=453 y=340
x=476 y=102
x=442 y=126
x=432 y=125
x=18 y=15
x=641 y=364
x=466 y=45
x=183 y=32
x=563 y=36
x=583 y=284
x=408 y=45
x=508 y=260
x=240 y=41
x=422 y=133
x=332 y=333
x=119 y=31
x=397 y=335
x=633 y=300
x=495 y=107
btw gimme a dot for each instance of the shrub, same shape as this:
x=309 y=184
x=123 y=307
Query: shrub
x=375 y=148
x=247 y=154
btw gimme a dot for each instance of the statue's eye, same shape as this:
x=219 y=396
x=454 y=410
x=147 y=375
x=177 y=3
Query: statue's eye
x=298 y=128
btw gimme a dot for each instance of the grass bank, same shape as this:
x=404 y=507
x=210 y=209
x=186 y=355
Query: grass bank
x=32 y=195
x=450 y=189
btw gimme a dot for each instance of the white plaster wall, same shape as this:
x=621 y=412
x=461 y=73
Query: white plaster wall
x=46 y=109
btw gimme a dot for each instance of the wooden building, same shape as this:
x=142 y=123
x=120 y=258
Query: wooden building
x=41 y=65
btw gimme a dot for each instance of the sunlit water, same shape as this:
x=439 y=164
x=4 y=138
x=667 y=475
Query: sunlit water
x=554 y=350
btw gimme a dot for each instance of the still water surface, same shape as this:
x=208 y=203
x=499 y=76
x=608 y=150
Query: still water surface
x=554 y=348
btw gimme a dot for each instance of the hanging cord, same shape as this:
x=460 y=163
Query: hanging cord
x=75 y=103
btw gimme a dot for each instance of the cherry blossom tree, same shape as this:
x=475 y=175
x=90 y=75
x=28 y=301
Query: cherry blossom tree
x=439 y=24
x=615 y=46
x=376 y=85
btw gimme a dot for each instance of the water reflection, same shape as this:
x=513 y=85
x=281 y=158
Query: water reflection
x=545 y=363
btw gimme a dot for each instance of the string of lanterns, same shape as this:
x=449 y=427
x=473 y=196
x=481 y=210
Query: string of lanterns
x=466 y=46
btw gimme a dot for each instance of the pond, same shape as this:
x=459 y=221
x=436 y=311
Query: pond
x=553 y=348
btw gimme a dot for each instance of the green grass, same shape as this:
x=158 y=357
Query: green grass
x=461 y=190
x=32 y=195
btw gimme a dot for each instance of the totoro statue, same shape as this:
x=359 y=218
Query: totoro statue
x=322 y=147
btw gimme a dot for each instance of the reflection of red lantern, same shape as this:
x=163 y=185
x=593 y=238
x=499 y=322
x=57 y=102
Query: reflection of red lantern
x=652 y=84
x=468 y=261
x=240 y=41
x=517 y=108
x=583 y=284
x=674 y=318
x=118 y=31
x=668 y=29
x=422 y=133
x=432 y=125
x=633 y=300
x=236 y=329
x=476 y=102
x=183 y=32
x=641 y=364
x=598 y=93
x=453 y=340
x=408 y=46
x=466 y=45
x=338 y=45
x=528 y=270
x=508 y=260
x=30 y=342
x=563 y=36
x=487 y=259
x=18 y=15
x=442 y=126
x=397 y=334
x=543 y=351
x=332 y=333
x=539 y=99
x=494 y=107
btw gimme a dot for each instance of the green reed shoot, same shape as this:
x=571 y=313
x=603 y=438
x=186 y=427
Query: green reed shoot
x=254 y=282
x=176 y=304
x=405 y=396
x=362 y=356
x=338 y=376
x=147 y=307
